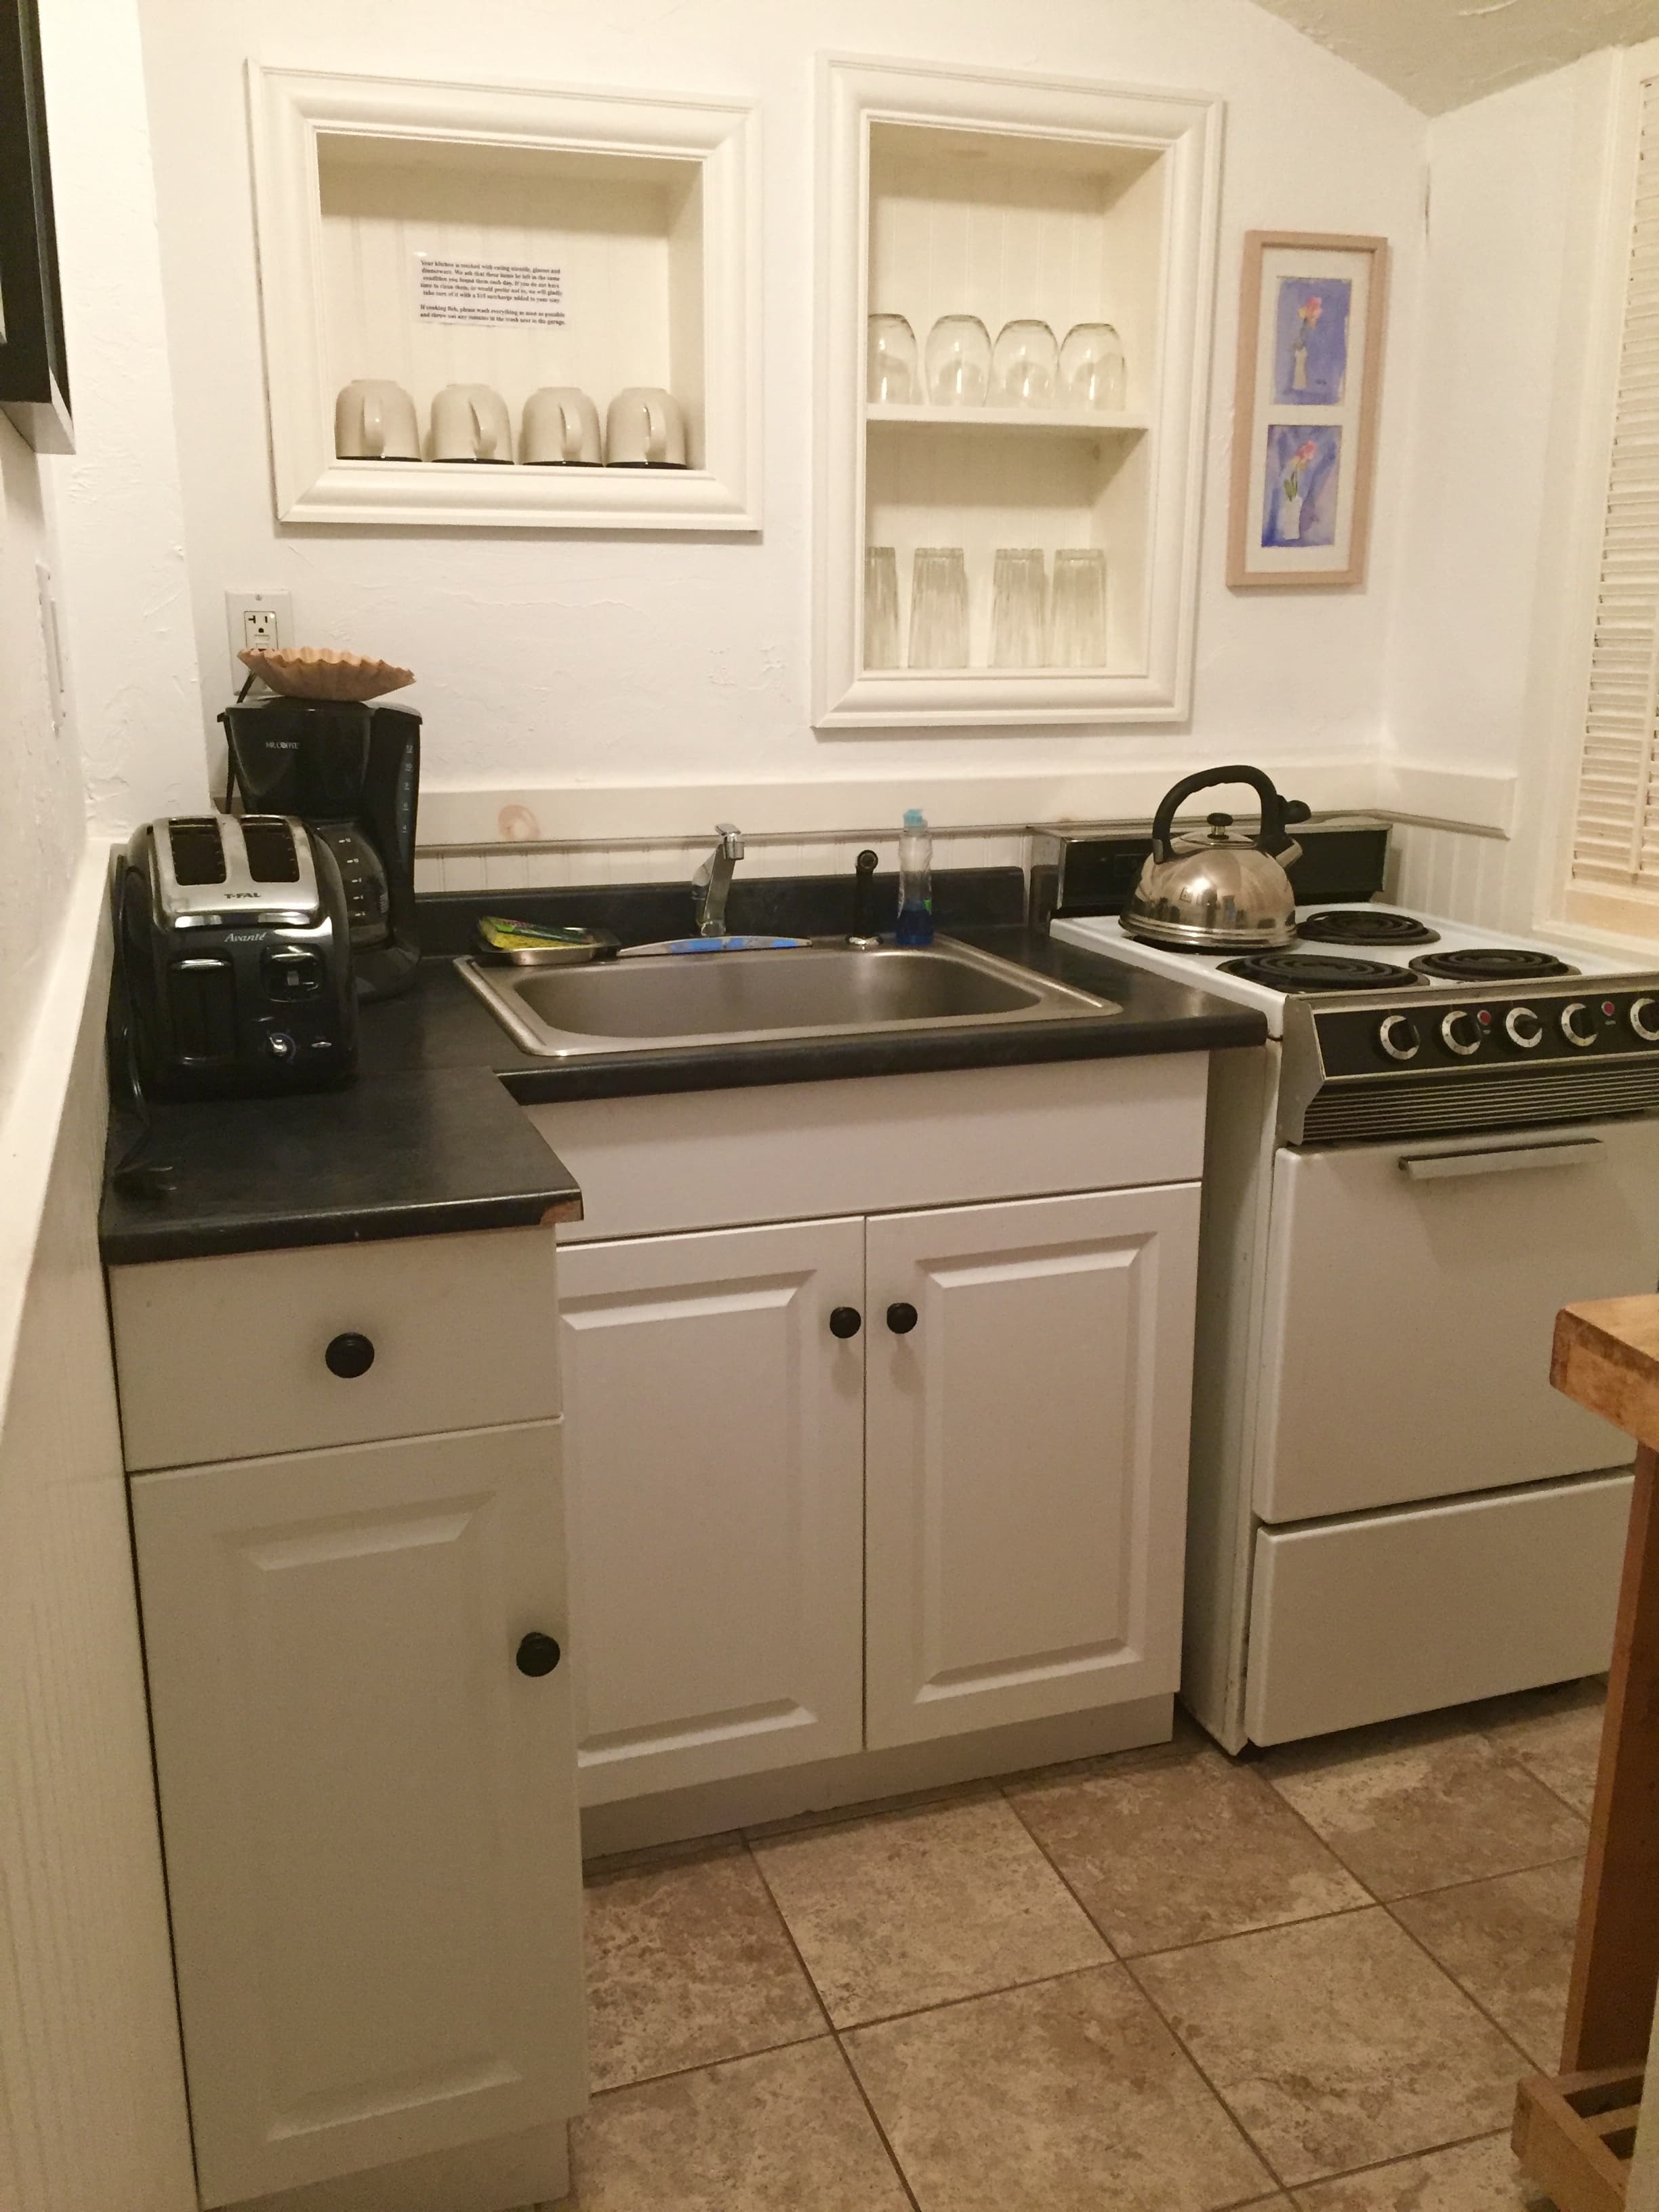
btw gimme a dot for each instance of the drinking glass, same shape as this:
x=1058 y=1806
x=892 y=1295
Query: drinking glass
x=939 y=608
x=881 y=622
x=959 y=361
x=1019 y=608
x=1091 y=369
x=892 y=378
x=1078 y=629
x=1023 y=366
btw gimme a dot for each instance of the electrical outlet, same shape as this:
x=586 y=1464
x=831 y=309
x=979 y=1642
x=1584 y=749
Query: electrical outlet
x=256 y=618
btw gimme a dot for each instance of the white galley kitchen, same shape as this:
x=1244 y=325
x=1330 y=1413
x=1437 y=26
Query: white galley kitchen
x=829 y=1106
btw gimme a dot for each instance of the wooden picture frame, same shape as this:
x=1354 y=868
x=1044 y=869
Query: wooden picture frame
x=1312 y=314
x=33 y=373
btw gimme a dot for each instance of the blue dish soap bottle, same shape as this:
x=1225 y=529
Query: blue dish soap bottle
x=916 y=913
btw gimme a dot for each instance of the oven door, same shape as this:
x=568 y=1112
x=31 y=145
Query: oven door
x=1411 y=1298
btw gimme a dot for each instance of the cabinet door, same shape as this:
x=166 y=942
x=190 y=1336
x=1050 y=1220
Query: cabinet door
x=715 y=1448
x=1027 y=1458
x=370 y=1824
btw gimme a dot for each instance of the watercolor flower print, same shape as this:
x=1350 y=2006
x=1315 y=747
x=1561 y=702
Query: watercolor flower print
x=1307 y=318
x=1289 y=485
x=1310 y=340
x=1303 y=464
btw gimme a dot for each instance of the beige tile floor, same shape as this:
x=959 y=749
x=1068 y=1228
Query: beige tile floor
x=1165 y=1981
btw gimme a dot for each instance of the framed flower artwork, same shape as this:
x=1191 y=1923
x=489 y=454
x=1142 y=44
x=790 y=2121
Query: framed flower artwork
x=1304 y=410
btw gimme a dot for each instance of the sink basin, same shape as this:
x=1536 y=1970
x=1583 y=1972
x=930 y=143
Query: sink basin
x=672 y=1000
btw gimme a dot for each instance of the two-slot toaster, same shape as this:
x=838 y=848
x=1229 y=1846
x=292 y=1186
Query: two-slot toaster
x=235 y=953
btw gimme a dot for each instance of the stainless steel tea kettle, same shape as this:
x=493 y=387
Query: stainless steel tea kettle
x=1219 y=891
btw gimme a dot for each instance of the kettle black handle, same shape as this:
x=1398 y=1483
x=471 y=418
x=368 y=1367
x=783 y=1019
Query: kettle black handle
x=1275 y=811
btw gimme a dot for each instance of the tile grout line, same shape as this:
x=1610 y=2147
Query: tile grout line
x=1243 y=2132
x=1477 y=1880
x=705 y=2065
x=1382 y=1904
x=1399 y=2158
x=1497 y=2026
x=842 y=2053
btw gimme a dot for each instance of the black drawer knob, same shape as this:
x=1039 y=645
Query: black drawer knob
x=846 y=1321
x=349 y=1355
x=901 y=1318
x=537 y=1654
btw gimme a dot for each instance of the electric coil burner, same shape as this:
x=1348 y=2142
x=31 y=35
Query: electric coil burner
x=1364 y=925
x=1316 y=971
x=1491 y=964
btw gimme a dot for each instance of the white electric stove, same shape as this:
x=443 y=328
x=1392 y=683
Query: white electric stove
x=1391 y=1510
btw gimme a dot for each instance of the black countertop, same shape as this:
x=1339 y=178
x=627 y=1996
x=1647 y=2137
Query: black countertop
x=431 y=1137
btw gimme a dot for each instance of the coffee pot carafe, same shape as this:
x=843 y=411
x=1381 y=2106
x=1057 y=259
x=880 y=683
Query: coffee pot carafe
x=350 y=770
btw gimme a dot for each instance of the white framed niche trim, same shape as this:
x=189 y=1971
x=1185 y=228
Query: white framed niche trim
x=648 y=207
x=945 y=190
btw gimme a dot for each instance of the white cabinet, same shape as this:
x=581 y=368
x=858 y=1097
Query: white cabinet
x=997 y=1492
x=715 y=1438
x=370 y=1832
x=943 y=192
x=1027 y=1457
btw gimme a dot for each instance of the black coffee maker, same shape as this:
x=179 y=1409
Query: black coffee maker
x=351 y=771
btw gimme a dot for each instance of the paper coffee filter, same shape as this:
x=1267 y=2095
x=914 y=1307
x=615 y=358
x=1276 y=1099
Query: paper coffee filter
x=317 y=671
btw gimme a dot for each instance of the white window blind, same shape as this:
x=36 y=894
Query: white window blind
x=1615 y=851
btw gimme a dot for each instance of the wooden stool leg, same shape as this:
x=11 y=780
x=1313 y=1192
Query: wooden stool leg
x=1616 y=1970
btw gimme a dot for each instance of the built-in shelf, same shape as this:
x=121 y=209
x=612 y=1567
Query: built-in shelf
x=647 y=209
x=942 y=192
x=1092 y=421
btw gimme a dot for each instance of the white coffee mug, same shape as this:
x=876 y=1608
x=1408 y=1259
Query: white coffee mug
x=374 y=420
x=644 y=429
x=470 y=423
x=560 y=424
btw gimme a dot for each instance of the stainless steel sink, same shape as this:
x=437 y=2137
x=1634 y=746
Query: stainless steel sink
x=662 y=1001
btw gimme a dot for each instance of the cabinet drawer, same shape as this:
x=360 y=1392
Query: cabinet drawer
x=225 y=1358
x=1356 y=1621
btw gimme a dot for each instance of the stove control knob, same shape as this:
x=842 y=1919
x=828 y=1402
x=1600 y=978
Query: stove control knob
x=1398 y=1036
x=1460 y=1033
x=1522 y=1027
x=1578 y=1024
x=1644 y=1019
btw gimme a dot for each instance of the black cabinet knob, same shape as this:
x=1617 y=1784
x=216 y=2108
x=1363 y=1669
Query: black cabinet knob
x=349 y=1355
x=537 y=1653
x=901 y=1319
x=846 y=1321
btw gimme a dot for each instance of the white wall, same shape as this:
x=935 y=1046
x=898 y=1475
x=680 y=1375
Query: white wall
x=41 y=812
x=643 y=686
x=91 y=2100
x=1471 y=715
x=118 y=517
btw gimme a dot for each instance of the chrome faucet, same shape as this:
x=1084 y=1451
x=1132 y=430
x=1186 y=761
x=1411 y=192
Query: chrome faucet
x=713 y=880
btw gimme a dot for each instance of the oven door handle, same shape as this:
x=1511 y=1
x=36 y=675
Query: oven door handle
x=1506 y=1159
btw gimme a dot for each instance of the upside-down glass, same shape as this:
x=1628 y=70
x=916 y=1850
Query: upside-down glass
x=939 y=608
x=881 y=613
x=892 y=378
x=1077 y=633
x=1091 y=368
x=1019 y=608
x=1023 y=363
x=959 y=361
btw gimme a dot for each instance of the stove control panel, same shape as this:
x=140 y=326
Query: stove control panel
x=1507 y=1029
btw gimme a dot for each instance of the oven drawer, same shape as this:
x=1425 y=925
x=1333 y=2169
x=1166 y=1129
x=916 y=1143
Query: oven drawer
x=1411 y=1297
x=1356 y=1621
x=234 y=1357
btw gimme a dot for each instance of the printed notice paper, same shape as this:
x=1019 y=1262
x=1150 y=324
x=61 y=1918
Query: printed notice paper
x=489 y=292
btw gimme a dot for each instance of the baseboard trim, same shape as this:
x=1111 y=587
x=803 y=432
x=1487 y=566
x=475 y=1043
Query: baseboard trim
x=830 y=1785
